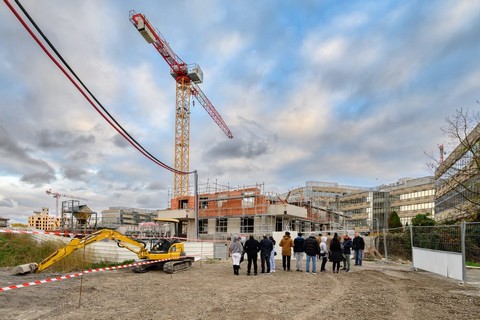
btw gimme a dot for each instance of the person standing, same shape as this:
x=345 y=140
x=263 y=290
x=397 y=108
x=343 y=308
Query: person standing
x=335 y=253
x=251 y=247
x=312 y=250
x=298 y=250
x=323 y=253
x=329 y=239
x=287 y=244
x=272 y=255
x=358 y=247
x=347 y=252
x=266 y=248
x=236 y=250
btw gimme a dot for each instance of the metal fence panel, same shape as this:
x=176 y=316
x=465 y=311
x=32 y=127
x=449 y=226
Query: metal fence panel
x=472 y=243
x=442 y=238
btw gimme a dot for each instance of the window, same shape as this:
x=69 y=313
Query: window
x=248 y=200
x=246 y=225
x=203 y=226
x=221 y=226
x=203 y=202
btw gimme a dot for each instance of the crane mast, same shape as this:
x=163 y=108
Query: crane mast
x=186 y=77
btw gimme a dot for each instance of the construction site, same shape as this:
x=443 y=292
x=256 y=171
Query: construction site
x=176 y=262
x=224 y=211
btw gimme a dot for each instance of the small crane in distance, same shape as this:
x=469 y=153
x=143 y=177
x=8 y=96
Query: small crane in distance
x=187 y=78
x=57 y=196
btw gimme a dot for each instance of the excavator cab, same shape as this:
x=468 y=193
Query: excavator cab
x=161 y=246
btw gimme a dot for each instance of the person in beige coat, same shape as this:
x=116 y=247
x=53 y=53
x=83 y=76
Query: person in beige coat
x=287 y=244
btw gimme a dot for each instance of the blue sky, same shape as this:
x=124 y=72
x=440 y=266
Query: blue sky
x=354 y=92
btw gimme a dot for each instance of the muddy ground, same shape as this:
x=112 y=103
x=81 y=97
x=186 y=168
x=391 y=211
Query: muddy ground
x=210 y=291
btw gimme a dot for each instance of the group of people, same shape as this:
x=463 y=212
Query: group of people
x=266 y=247
x=335 y=248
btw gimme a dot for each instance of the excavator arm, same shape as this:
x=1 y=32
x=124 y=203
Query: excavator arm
x=174 y=251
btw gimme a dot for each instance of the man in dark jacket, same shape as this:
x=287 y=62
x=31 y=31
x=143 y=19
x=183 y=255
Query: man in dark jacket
x=358 y=247
x=266 y=247
x=251 y=248
x=312 y=249
x=347 y=251
x=298 y=250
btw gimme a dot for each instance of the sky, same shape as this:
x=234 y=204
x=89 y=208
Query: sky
x=352 y=92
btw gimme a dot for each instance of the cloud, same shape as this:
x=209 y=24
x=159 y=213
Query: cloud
x=154 y=186
x=18 y=160
x=321 y=92
x=38 y=178
x=62 y=139
x=75 y=173
x=10 y=203
x=120 y=141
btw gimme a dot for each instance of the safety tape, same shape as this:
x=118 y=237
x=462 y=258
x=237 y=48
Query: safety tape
x=74 y=275
x=57 y=233
x=71 y=235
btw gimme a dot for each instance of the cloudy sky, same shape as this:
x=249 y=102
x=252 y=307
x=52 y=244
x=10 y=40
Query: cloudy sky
x=353 y=92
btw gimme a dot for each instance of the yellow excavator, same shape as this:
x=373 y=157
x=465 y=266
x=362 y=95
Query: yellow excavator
x=166 y=253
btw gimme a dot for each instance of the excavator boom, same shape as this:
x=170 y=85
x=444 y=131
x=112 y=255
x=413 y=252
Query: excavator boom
x=165 y=252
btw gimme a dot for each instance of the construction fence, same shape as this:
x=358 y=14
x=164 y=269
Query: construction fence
x=456 y=246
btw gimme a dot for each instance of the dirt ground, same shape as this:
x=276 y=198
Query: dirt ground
x=210 y=291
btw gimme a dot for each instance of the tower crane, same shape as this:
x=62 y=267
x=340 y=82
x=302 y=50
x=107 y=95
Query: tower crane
x=57 y=196
x=442 y=153
x=187 y=78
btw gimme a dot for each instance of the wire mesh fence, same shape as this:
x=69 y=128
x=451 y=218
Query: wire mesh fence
x=396 y=244
x=442 y=238
x=472 y=244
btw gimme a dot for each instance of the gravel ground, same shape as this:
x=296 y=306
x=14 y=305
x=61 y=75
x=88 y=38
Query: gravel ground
x=210 y=291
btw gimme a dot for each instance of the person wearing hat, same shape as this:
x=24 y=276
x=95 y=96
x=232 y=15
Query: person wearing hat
x=287 y=244
x=312 y=250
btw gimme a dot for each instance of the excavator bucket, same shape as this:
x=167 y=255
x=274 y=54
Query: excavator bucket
x=25 y=268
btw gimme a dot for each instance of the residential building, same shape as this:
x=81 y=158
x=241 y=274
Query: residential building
x=43 y=221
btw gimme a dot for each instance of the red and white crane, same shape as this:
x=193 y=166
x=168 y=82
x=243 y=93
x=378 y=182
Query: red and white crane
x=187 y=78
x=57 y=196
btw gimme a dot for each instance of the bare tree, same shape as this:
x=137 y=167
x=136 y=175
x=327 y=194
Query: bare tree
x=460 y=172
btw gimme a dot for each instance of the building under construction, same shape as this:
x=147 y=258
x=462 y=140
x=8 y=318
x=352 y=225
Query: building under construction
x=224 y=210
x=317 y=206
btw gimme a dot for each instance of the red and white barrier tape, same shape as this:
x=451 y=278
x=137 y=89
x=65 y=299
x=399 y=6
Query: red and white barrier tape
x=73 y=275
x=57 y=233
x=71 y=235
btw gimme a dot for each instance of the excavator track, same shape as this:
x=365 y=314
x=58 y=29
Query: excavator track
x=178 y=265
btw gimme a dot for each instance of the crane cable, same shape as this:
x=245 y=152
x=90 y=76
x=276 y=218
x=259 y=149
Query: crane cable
x=110 y=119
